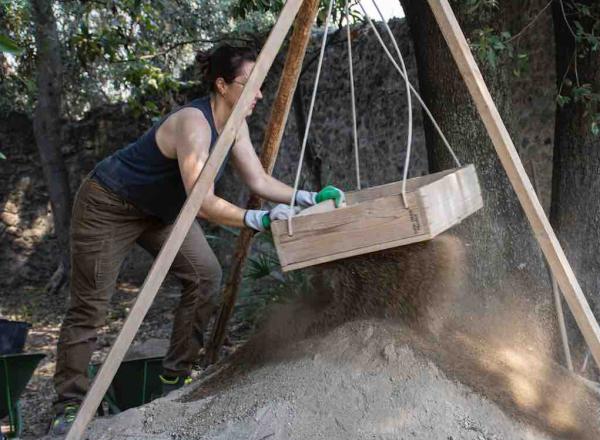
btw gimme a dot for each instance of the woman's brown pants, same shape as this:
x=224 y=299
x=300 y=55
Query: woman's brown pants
x=104 y=229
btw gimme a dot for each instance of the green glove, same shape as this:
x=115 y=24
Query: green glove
x=331 y=193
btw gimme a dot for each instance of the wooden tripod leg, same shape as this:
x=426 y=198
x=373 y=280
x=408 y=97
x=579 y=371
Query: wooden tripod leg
x=511 y=162
x=270 y=149
x=188 y=213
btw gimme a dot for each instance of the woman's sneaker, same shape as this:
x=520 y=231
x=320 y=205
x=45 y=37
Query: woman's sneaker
x=172 y=383
x=62 y=421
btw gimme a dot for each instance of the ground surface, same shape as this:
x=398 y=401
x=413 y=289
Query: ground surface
x=152 y=339
x=47 y=315
x=350 y=366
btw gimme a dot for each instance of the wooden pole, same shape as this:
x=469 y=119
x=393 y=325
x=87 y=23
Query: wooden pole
x=516 y=173
x=188 y=213
x=270 y=148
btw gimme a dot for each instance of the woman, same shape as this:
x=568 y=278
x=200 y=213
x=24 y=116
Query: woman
x=134 y=196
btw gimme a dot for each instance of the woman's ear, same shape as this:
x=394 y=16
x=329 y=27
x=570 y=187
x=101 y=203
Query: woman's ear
x=220 y=86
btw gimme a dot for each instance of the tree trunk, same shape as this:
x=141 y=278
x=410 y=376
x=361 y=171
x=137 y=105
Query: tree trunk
x=500 y=278
x=575 y=207
x=499 y=239
x=47 y=130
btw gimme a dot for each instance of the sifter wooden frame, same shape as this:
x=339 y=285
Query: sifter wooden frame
x=375 y=218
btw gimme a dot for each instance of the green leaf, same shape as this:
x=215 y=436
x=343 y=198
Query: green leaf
x=260 y=266
x=595 y=129
x=2 y=156
x=151 y=107
x=580 y=93
x=491 y=57
x=9 y=46
x=561 y=100
x=498 y=45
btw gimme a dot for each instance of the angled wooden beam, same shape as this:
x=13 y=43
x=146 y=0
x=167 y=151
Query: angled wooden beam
x=268 y=156
x=188 y=213
x=516 y=173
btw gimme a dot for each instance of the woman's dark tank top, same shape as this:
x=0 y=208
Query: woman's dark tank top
x=142 y=175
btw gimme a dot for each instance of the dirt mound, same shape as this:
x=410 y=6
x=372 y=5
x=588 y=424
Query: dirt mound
x=361 y=380
x=393 y=345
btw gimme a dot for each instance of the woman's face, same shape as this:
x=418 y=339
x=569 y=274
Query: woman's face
x=233 y=90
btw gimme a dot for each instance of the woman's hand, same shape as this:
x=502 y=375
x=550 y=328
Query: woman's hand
x=260 y=220
x=307 y=198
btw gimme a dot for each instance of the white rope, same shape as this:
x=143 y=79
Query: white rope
x=425 y=108
x=408 y=103
x=351 y=69
x=585 y=362
x=309 y=118
x=408 y=99
x=561 y=322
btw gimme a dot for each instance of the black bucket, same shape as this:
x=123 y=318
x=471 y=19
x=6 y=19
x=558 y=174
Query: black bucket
x=12 y=336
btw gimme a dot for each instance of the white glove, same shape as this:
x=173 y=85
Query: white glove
x=260 y=220
x=305 y=199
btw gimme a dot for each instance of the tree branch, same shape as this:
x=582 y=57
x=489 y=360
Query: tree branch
x=528 y=25
x=179 y=44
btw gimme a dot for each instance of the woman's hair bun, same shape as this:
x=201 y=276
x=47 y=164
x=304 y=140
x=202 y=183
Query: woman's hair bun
x=203 y=62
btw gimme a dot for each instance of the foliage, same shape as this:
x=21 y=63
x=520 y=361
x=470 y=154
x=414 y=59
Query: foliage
x=17 y=73
x=119 y=49
x=265 y=284
x=494 y=45
x=585 y=29
x=137 y=51
x=480 y=7
x=585 y=95
x=489 y=45
x=9 y=46
x=244 y=7
x=587 y=25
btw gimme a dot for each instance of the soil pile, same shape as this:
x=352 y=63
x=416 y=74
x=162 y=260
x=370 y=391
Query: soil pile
x=393 y=345
x=366 y=379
